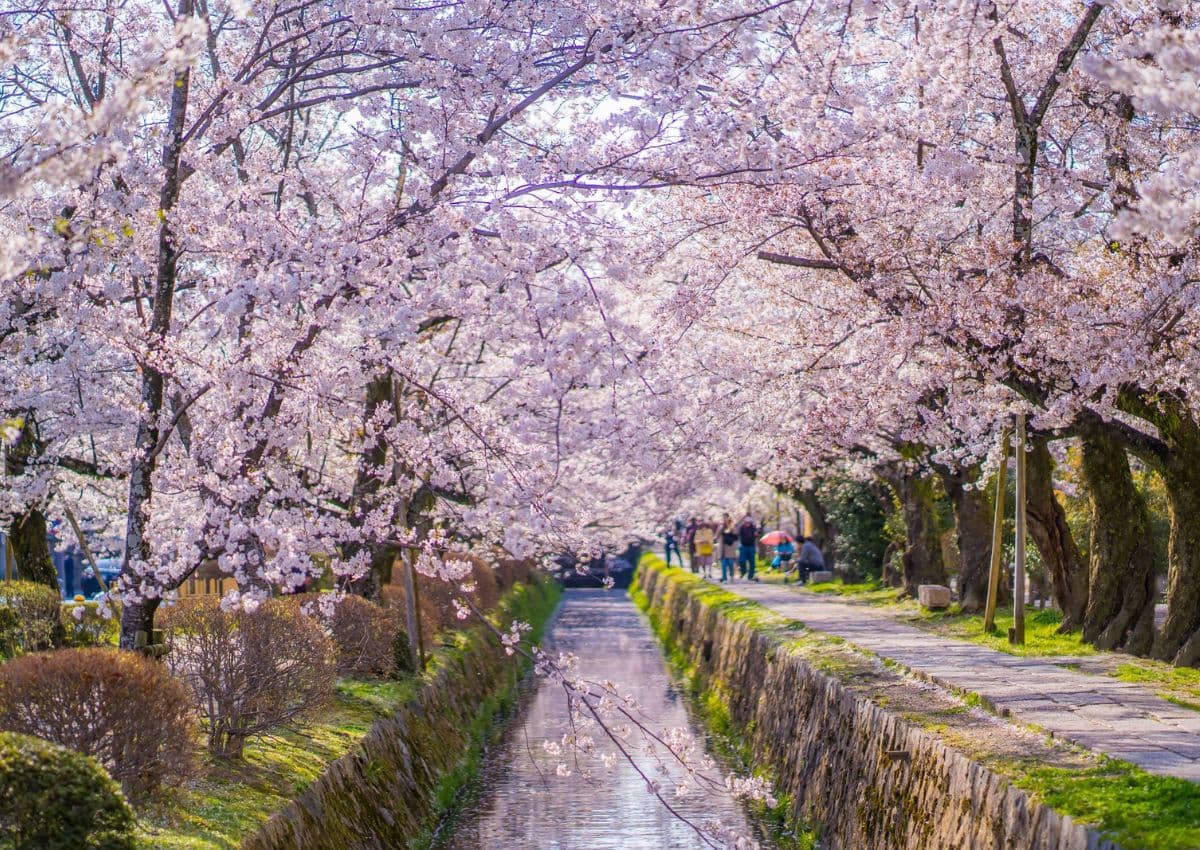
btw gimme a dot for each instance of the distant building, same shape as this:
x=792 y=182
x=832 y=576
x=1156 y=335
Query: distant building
x=207 y=580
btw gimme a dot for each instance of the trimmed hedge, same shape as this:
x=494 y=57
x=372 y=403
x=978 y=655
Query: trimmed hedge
x=118 y=706
x=53 y=798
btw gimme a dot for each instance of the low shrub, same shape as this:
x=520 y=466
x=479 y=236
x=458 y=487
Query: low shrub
x=438 y=611
x=362 y=632
x=84 y=625
x=29 y=617
x=119 y=707
x=53 y=798
x=249 y=671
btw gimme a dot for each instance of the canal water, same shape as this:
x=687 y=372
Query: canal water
x=522 y=803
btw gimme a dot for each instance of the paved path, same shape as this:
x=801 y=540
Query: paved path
x=1097 y=712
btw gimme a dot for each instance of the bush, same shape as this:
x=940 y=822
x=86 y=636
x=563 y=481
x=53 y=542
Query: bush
x=363 y=633
x=438 y=612
x=29 y=617
x=52 y=798
x=250 y=671
x=118 y=707
x=84 y=625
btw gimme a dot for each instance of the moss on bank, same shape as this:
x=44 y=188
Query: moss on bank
x=457 y=789
x=229 y=801
x=708 y=697
x=1131 y=807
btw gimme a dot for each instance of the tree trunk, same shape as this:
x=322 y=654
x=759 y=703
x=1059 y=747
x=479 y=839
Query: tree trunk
x=1052 y=536
x=1176 y=455
x=137 y=623
x=146 y=445
x=973 y=529
x=824 y=532
x=922 y=558
x=372 y=471
x=1179 y=640
x=27 y=532
x=1120 y=609
x=31 y=545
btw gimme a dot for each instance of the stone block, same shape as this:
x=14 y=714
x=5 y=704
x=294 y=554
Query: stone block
x=819 y=576
x=933 y=596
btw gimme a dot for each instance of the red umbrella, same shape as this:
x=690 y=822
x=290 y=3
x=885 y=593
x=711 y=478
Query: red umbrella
x=774 y=538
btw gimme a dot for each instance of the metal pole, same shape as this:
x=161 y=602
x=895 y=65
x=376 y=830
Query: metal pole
x=989 y=617
x=1017 y=634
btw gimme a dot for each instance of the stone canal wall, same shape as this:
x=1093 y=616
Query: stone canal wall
x=868 y=779
x=392 y=788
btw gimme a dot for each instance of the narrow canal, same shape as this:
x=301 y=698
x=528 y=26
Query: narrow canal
x=522 y=803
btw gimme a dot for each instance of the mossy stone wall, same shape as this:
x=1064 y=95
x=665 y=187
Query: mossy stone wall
x=867 y=778
x=385 y=792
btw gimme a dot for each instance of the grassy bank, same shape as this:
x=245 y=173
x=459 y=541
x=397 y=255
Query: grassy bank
x=228 y=801
x=458 y=788
x=1180 y=685
x=1135 y=809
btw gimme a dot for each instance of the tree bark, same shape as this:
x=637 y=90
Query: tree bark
x=27 y=532
x=1120 y=609
x=973 y=529
x=137 y=623
x=1179 y=640
x=31 y=546
x=372 y=471
x=1048 y=527
x=922 y=558
x=1176 y=455
x=146 y=446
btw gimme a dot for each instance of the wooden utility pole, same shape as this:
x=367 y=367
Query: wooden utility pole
x=412 y=609
x=989 y=617
x=1017 y=633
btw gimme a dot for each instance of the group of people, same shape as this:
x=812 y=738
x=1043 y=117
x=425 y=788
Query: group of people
x=728 y=544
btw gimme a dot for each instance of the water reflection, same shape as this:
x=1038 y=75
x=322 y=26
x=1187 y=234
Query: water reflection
x=523 y=804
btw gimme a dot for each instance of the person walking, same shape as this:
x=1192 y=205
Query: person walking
x=704 y=539
x=671 y=544
x=728 y=544
x=811 y=558
x=747 y=547
x=689 y=541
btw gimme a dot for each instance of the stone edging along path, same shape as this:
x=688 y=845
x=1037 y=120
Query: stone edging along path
x=1105 y=715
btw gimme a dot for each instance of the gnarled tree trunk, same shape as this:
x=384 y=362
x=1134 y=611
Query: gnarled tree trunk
x=1179 y=640
x=31 y=546
x=1176 y=455
x=1052 y=536
x=1120 y=609
x=137 y=623
x=973 y=530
